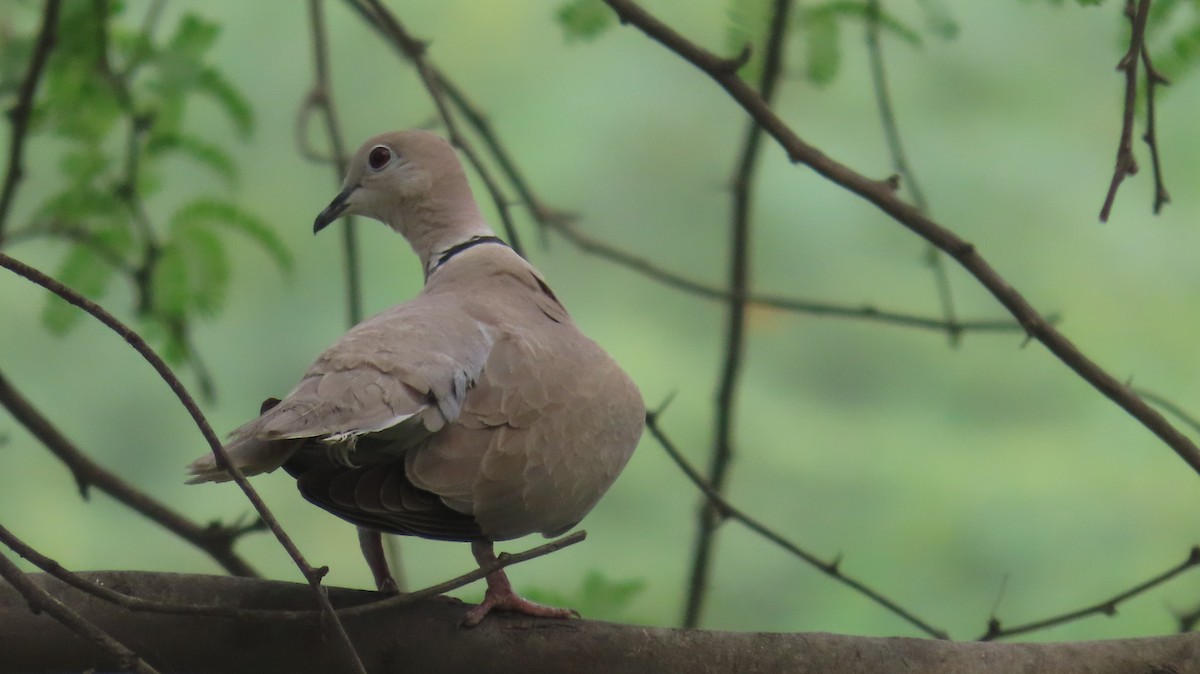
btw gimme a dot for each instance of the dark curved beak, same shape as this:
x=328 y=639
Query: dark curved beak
x=334 y=210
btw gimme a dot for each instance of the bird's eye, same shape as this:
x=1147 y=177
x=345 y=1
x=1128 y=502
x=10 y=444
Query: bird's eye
x=379 y=157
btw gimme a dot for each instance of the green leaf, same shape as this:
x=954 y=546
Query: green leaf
x=584 y=19
x=940 y=21
x=822 y=51
x=84 y=272
x=83 y=164
x=207 y=268
x=211 y=211
x=747 y=24
x=889 y=24
x=213 y=83
x=81 y=203
x=598 y=596
x=169 y=284
x=178 y=68
x=203 y=152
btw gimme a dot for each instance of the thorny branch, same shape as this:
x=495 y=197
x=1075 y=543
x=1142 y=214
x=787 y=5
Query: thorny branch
x=908 y=178
x=728 y=511
x=1154 y=79
x=709 y=517
x=1171 y=407
x=379 y=18
x=1137 y=55
x=881 y=194
x=19 y=114
x=320 y=100
x=647 y=268
x=1107 y=607
x=311 y=574
x=563 y=223
x=215 y=540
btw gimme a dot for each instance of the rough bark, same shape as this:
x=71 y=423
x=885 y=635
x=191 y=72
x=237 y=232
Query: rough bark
x=425 y=637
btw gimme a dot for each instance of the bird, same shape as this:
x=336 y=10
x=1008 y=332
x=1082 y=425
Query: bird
x=477 y=411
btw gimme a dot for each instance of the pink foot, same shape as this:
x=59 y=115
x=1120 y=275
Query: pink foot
x=507 y=600
x=500 y=594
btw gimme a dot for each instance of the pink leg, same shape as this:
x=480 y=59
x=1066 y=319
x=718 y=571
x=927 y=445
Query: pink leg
x=371 y=543
x=500 y=594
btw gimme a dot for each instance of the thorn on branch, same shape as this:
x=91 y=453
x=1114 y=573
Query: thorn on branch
x=1126 y=165
x=732 y=65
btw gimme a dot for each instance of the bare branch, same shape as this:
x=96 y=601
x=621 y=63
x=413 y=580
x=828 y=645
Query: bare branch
x=891 y=133
x=879 y=193
x=1107 y=607
x=728 y=511
x=503 y=560
x=383 y=21
x=1171 y=407
x=542 y=214
x=644 y=266
x=1153 y=80
x=1126 y=164
x=19 y=114
x=320 y=99
x=708 y=518
x=311 y=574
x=217 y=541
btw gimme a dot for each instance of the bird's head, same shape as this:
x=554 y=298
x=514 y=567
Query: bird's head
x=413 y=182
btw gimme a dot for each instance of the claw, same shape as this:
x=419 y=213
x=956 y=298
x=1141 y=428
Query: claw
x=500 y=595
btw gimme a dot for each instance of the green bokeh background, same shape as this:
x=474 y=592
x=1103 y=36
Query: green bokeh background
x=954 y=480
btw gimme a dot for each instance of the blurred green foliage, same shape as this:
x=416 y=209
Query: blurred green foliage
x=116 y=99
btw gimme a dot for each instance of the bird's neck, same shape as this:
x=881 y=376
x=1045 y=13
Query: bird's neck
x=435 y=226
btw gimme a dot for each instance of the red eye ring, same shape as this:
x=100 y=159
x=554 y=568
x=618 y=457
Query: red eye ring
x=380 y=156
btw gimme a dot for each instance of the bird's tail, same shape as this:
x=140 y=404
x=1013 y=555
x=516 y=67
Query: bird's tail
x=251 y=455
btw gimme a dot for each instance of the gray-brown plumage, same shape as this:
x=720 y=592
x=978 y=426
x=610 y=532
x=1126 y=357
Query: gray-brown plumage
x=477 y=411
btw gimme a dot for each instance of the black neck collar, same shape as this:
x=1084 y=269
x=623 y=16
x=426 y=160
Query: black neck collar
x=460 y=247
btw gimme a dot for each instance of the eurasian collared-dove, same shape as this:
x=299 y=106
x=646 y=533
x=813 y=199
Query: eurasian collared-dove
x=477 y=411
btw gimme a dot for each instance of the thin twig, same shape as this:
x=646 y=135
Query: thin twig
x=503 y=560
x=648 y=268
x=881 y=194
x=320 y=99
x=217 y=541
x=729 y=511
x=542 y=214
x=908 y=177
x=1107 y=607
x=1126 y=165
x=40 y=600
x=709 y=518
x=311 y=574
x=19 y=114
x=382 y=20
x=1171 y=407
x=1154 y=79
